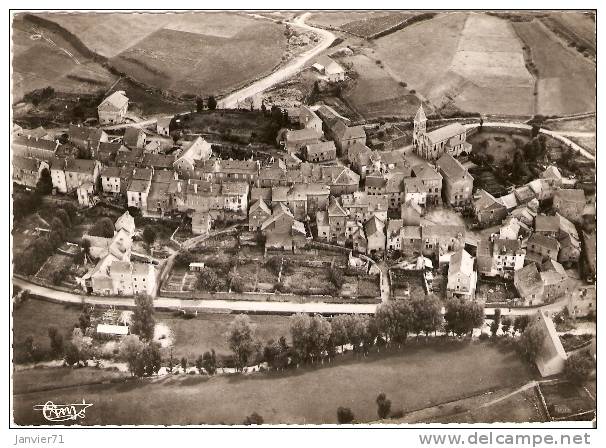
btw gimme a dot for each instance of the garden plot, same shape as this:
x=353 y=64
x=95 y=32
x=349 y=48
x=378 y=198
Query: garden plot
x=53 y=264
x=564 y=399
x=308 y=281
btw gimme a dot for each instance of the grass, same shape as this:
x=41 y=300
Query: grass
x=412 y=378
x=589 y=143
x=192 y=337
x=500 y=145
x=31 y=380
x=579 y=124
x=566 y=82
x=369 y=26
x=337 y=19
x=471 y=60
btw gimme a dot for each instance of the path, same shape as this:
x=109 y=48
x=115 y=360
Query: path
x=290 y=69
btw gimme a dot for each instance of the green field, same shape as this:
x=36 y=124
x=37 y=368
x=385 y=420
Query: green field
x=567 y=81
x=412 y=378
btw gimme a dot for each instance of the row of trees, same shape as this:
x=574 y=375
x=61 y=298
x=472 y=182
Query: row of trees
x=316 y=337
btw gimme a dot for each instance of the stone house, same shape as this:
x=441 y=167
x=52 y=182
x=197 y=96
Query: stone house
x=258 y=213
x=457 y=186
x=196 y=150
x=488 y=210
x=79 y=171
x=346 y=136
x=462 y=277
x=134 y=138
x=40 y=149
x=139 y=187
x=570 y=203
x=112 y=109
x=201 y=223
x=374 y=230
x=320 y=152
x=431 y=181
x=309 y=120
x=26 y=171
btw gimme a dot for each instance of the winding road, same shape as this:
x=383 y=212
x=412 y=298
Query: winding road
x=290 y=69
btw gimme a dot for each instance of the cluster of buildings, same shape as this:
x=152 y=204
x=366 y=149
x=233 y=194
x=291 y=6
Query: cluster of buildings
x=114 y=273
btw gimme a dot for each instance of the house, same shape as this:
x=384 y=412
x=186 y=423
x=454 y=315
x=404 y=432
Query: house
x=163 y=126
x=158 y=161
x=235 y=196
x=201 y=223
x=510 y=201
x=329 y=117
x=220 y=170
x=431 y=181
x=340 y=179
x=309 y=120
x=410 y=214
x=79 y=171
x=282 y=231
x=394 y=162
x=26 y=171
x=320 y=152
x=555 y=281
x=551 y=358
x=395 y=190
x=111 y=180
x=360 y=206
x=134 y=138
x=133 y=158
x=274 y=175
x=32 y=148
x=529 y=284
x=322 y=225
x=257 y=193
x=86 y=138
x=258 y=213
x=57 y=171
x=361 y=158
x=441 y=239
x=510 y=230
x=293 y=199
x=202 y=196
x=570 y=203
x=450 y=139
x=345 y=137
x=337 y=218
x=295 y=140
x=462 y=277
x=359 y=242
x=132 y=278
x=329 y=68
x=125 y=222
x=507 y=257
x=411 y=240
x=138 y=188
x=415 y=193
x=393 y=234
x=541 y=189
x=159 y=199
x=107 y=152
x=548 y=226
x=582 y=302
x=112 y=109
x=553 y=176
x=542 y=247
x=488 y=210
x=375 y=183
x=196 y=150
x=457 y=186
x=374 y=230
x=37 y=133
x=570 y=243
x=85 y=193
x=524 y=194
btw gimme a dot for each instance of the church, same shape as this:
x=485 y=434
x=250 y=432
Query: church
x=451 y=139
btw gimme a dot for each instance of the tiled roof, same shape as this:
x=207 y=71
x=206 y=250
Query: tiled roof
x=452 y=168
x=81 y=166
x=117 y=99
x=445 y=132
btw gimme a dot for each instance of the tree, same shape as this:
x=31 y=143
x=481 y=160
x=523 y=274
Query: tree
x=535 y=130
x=44 y=185
x=496 y=321
x=143 y=321
x=82 y=343
x=253 y=419
x=521 y=322
x=84 y=320
x=209 y=362
x=427 y=314
x=71 y=354
x=383 y=406
x=149 y=235
x=462 y=316
x=318 y=336
x=208 y=280
x=85 y=246
x=506 y=324
x=149 y=360
x=184 y=364
x=103 y=228
x=395 y=320
x=336 y=278
x=63 y=217
x=241 y=339
x=356 y=330
x=184 y=258
x=129 y=349
x=531 y=341
x=211 y=102
x=344 y=415
x=199 y=104
x=339 y=330
x=56 y=340
x=58 y=228
x=578 y=366
x=199 y=364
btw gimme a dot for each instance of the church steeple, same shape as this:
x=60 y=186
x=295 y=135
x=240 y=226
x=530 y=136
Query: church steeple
x=420 y=126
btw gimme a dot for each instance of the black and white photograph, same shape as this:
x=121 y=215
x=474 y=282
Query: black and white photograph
x=251 y=218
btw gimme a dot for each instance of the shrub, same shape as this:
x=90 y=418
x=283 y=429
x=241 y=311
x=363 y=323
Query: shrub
x=208 y=280
x=578 y=367
x=484 y=336
x=344 y=415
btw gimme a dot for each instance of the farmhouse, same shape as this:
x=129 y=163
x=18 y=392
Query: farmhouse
x=329 y=68
x=462 y=277
x=26 y=171
x=411 y=240
x=112 y=109
x=337 y=219
x=360 y=206
x=457 y=182
x=196 y=150
x=361 y=158
x=569 y=203
x=441 y=239
x=158 y=161
x=295 y=140
x=86 y=138
x=410 y=214
x=582 y=301
x=282 y=231
x=132 y=278
x=415 y=192
x=393 y=234
x=320 y=152
x=322 y=225
x=345 y=136
x=134 y=138
x=163 y=126
x=309 y=120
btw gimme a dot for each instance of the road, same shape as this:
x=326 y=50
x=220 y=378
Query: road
x=290 y=69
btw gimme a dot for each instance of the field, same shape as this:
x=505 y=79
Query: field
x=38 y=63
x=37 y=379
x=412 y=378
x=566 y=82
x=472 y=61
x=337 y=19
x=576 y=27
x=192 y=337
x=370 y=26
x=376 y=94
x=575 y=125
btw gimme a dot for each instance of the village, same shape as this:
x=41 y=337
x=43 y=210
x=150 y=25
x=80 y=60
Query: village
x=323 y=223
